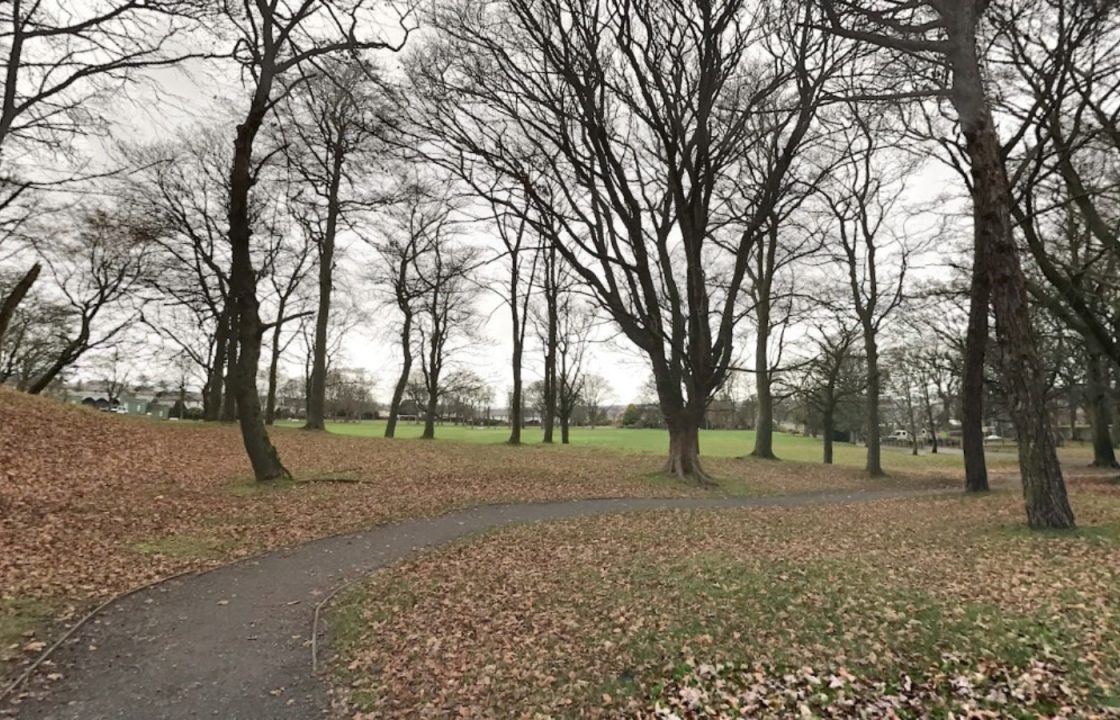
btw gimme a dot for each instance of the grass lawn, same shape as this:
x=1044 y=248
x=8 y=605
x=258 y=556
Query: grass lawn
x=910 y=608
x=713 y=443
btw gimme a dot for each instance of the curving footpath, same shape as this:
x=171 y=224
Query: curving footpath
x=234 y=643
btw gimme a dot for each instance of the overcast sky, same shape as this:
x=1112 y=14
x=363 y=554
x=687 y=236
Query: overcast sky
x=193 y=96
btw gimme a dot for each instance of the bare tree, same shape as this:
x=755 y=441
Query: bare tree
x=98 y=268
x=939 y=38
x=861 y=197
x=37 y=336
x=623 y=124
x=446 y=319
x=275 y=40
x=183 y=183
x=287 y=274
x=575 y=321
x=419 y=219
x=833 y=376
x=59 y=61
x=336 y=119
x=521 y=256
x=594 y=392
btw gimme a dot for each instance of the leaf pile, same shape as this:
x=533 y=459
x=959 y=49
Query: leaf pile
x=596 y=617
x=729 y=691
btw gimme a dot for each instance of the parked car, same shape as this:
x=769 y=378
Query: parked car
x=899 y=436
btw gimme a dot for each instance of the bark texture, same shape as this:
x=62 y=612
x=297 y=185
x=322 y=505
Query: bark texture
x=16 y=296
x=1044 y=488
x=243 y=294
x=1100 y=405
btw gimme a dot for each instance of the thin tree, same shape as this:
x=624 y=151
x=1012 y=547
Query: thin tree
x=833 y=376
x=446 y=317
x=421 y=214
x=861 y=199
x=275 y=38
x=575 y=322
x=336 y=118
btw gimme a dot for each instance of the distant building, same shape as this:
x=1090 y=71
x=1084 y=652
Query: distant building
x=143 y=400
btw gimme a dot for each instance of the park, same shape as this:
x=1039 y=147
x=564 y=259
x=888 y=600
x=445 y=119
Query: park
x=667 y=360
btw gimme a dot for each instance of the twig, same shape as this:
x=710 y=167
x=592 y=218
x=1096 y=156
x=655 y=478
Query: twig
x=315 y=619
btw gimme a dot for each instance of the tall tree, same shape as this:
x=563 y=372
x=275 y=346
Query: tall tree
x=833 y=376
x=183 y=184
x=275 y=40
x=337 y=120
x=419 y=217
x=575 y=321
x=447 y=318
x=942 y=35
x=521 y=257
x=861 y=198
x=625 y=124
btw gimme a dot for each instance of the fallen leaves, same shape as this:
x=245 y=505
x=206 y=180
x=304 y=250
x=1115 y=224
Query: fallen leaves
x=730 y=691
x=935 y=604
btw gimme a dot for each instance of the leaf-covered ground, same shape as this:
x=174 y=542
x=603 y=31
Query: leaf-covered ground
x=92 y=504
x=942 y=607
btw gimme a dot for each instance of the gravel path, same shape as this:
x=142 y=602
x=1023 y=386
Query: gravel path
x=234 y=643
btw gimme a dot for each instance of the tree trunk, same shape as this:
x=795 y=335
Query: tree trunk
x=274 y=362
x=913 y=418
x=515 y=419
x=1072 y=407
x=316 y=398
x=515 y=401
x=552 y=302
x=764 y=426
x=1044 y=489
x=565 y=428
x=548 y=422
x=212 y=410
x=1101 y=410
x=684 y=447
x=243 y=294
x=829 y=423
x=229 y=399
x=430 y=417
x=402 y=381
x=972 y=376
x=874 y=439
x=16 y=296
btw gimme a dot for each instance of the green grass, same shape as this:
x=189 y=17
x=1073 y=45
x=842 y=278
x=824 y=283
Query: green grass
x=187 y=547
x=20 y=618
x=713 y=443
x=571 y=618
